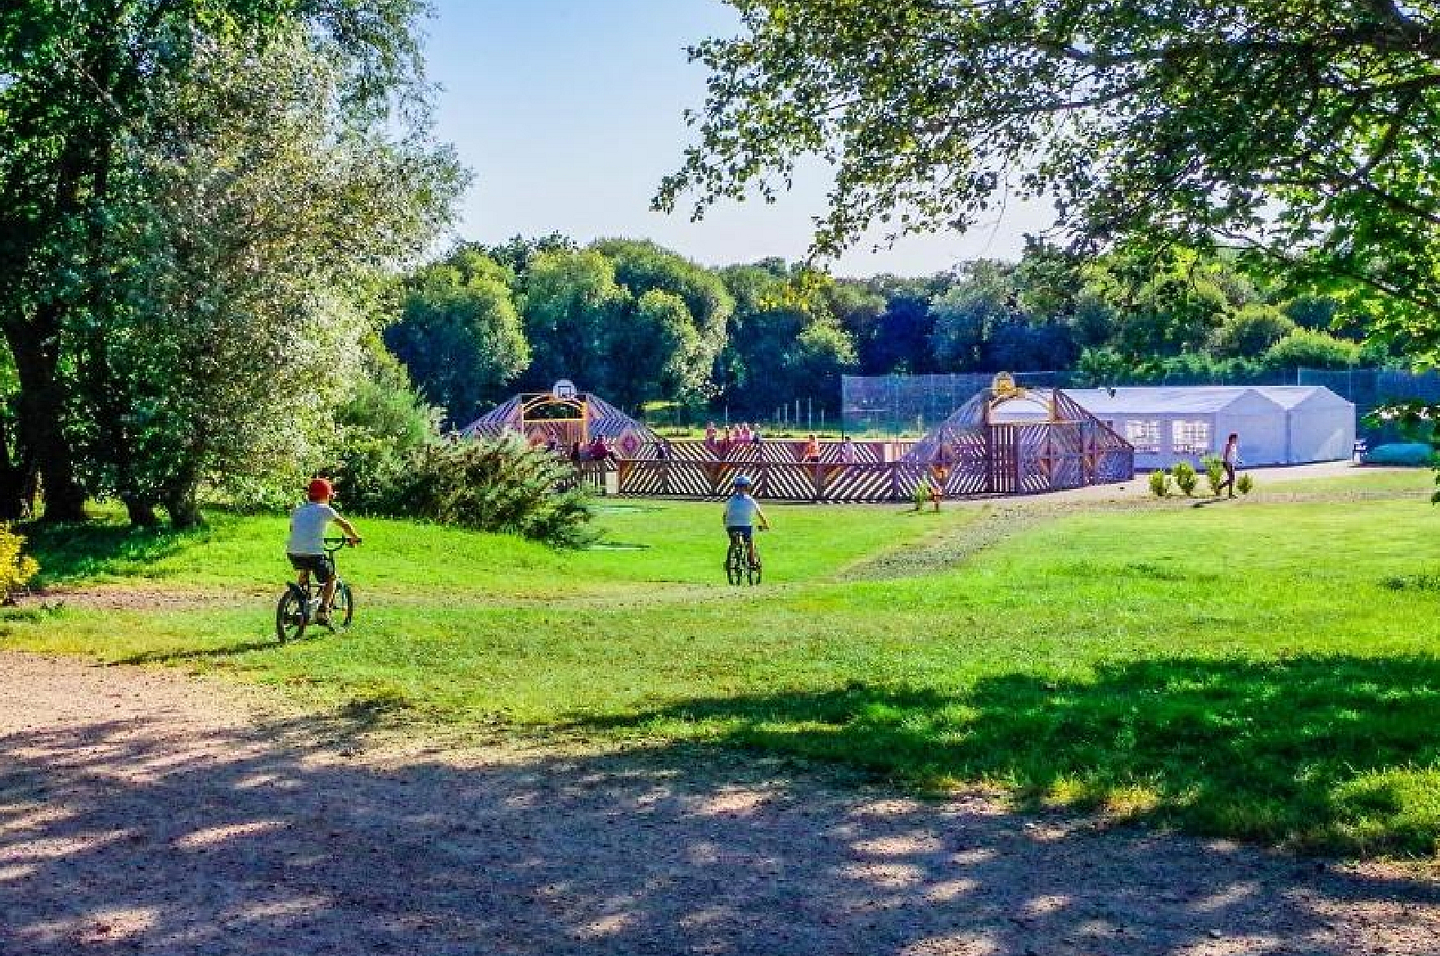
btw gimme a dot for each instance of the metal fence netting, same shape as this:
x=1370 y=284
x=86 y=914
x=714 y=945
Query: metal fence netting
x=895 y=406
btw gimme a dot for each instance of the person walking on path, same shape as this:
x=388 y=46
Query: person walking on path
x=1230 y=460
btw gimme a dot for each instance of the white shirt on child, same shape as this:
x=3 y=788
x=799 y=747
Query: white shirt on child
x=740 y=511
x=307 y=528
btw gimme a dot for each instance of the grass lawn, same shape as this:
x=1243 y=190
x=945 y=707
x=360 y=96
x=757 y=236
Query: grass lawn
x=1264 y=669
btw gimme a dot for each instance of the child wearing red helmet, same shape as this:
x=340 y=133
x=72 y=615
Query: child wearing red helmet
x=306 y=547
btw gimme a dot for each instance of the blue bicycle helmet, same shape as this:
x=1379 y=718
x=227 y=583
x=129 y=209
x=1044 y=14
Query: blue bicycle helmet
x=742 y=481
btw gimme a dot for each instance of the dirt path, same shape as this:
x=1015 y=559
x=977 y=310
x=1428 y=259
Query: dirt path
x=146 y=812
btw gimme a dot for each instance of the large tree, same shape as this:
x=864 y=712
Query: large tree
x=266 y=215
x=80 y=81
x=460 y=334
x=1304 y=129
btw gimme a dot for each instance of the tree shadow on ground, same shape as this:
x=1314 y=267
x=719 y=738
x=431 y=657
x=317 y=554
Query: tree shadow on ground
x=69 y=552
x=1320 y=752
x=159 y=835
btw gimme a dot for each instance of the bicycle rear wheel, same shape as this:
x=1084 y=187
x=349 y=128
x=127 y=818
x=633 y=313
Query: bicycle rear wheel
x=342 y=609
x=290 y=617
x=735 y=561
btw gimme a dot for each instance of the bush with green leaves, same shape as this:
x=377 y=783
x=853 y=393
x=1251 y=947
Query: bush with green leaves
x=381 y=424
x=496 y=484
x=1244 y=484
x=1214 y=467
x=16 y=567
x=921 y=493
x=1185 y=478
x=1160 y=483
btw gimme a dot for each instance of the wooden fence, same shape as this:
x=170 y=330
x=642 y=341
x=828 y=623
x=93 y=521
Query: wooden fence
x=1001 y=460
x=775 y=451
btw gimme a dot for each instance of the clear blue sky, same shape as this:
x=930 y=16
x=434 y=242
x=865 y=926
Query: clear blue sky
x=569 y=112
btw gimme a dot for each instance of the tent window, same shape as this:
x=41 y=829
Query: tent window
x=1190 y=437
x=1144 y=434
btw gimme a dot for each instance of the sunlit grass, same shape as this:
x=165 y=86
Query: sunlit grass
x=1264 y=670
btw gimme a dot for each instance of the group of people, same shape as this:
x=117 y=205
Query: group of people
x=722 y=440
x=597 y=450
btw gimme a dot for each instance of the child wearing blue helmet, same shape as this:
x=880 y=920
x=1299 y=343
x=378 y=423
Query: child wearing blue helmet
x=741 y=512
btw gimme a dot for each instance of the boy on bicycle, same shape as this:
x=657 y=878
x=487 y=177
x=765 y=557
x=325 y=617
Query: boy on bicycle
x=741 y=510
x=306 y=547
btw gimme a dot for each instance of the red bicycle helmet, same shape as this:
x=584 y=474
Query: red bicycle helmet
x=320 y=489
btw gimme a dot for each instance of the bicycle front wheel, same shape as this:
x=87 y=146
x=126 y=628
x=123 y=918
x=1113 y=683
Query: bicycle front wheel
x=342 y=610
x=290 y=617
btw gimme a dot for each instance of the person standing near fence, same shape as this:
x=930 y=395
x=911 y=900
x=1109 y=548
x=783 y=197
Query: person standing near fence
x=1230 y=460
x=812 y=449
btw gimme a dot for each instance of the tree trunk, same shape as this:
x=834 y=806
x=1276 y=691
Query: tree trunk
x=42 y=416
x=14 y=478
x=182 y=500
x=141 y=512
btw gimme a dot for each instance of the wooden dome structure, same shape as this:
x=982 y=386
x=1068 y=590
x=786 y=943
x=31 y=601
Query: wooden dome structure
x=566 y=416
x=1011 y=440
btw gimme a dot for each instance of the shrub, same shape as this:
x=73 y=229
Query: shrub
x=16 y=569
x=380 y=426
x=1185 y=478
x=1214 y=467
x=1303 y=348
x=1244 y=484
x=1160 y=483
x=495 y=484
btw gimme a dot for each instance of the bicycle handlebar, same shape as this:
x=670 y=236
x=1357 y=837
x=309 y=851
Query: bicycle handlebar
x=335 y=544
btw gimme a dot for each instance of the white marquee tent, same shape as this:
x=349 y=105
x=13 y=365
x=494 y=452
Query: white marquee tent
x=1277 y=425
x=1319 y=425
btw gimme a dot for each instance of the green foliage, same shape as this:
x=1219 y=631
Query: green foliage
x=785 y=343
x=16 y=567
x=1260 y=121
x=1245 y=484
x=1303 y=348
x=459 y=333
x=1160 y=483
x=207 y=195
x=1185 y=478
x=1252 y=330
x=382 y=424
x=1214 y=467
x=494 y=484
x=626 y=319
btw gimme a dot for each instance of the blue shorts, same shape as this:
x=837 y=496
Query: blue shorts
x=744 y=531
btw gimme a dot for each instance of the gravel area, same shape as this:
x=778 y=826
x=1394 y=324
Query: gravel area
x=146 y=812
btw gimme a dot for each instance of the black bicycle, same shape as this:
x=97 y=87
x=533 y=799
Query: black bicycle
x=300 y=605
x=739 y=568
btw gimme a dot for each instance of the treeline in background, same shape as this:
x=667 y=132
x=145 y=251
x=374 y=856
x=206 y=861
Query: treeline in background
x=658 y=334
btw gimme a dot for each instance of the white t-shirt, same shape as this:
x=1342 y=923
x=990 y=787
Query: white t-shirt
x=740 y=511
x=307 y=528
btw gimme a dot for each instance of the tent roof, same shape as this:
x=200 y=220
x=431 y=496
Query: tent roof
x=1174 y=400
x=1293 y=396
